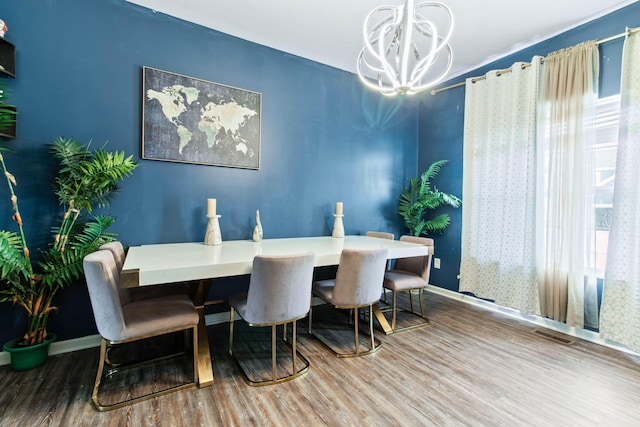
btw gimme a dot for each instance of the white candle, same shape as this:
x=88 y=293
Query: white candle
x=211 y=207
x=339 y=208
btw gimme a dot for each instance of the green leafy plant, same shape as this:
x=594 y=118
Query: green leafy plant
x=7 y=114
x=85 y=179
x=421 y=197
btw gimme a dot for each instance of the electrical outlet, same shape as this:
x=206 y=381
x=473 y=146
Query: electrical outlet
x=436 y=263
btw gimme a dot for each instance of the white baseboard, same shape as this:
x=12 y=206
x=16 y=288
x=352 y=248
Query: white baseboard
x=92 y=341
x=563 y=328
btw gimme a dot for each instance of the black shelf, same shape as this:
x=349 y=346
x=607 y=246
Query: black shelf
x=7 y=58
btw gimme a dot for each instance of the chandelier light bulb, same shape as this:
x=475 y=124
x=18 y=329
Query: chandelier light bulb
x=404 y=52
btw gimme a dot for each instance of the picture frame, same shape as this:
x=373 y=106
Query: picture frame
x=189 y=120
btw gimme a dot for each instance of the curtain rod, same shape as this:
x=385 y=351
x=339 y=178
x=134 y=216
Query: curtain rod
x=525 y=65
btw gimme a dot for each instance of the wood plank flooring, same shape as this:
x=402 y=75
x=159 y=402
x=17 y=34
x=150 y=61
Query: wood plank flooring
x=470 y=367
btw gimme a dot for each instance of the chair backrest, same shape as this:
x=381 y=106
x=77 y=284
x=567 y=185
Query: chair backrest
x=359 y=277
x=103 y=282
x=419 y=265
x=279 y=288
x=117 y=250
x=380 y=235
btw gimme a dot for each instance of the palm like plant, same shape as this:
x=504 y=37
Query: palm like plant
x=86 y=179
x=7 y=114
x=421 y=197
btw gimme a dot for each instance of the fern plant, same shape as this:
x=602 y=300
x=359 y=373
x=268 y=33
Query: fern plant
x=422 y=197
x=86 y=179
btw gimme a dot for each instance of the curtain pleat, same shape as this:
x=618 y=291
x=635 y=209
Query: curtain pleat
x=498 y=197
x=566 y=136
x=620 y=314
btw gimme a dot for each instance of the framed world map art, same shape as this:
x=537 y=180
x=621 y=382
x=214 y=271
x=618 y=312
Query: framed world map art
x=195 y=121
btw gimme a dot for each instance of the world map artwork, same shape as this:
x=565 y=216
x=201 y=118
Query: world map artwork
x=196 y=121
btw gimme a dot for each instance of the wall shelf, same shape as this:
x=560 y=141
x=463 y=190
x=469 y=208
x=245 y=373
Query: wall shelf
x=7 y=58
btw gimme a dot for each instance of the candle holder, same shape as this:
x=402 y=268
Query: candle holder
x=257 y=231
x=212 y=236
x=338 y=227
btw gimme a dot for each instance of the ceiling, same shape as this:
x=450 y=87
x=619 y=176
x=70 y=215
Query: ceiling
x=330 y=31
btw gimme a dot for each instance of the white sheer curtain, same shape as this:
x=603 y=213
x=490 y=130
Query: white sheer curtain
x=568 y=96
x=620 y=313
x=498 y=197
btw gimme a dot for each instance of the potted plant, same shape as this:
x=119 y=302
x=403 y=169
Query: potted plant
x=421 y=197
x=86 y=179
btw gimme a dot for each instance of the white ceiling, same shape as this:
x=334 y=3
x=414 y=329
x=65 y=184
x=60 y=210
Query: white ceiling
x=330 y=31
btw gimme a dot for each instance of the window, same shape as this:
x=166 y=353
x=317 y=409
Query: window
x=605 y=149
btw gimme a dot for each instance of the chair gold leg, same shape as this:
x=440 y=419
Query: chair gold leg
x=273 y=352
x=107 y=359
x=373 y=344
x=231 y=331
x=329 y=344
x=96 y=385
x=293 y=350
x=393 y=311
x=356 y=329
x=296 y=356
x=100 y=375
x=310 y=316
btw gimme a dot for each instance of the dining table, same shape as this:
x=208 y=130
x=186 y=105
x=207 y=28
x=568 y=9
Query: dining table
x=158 y=264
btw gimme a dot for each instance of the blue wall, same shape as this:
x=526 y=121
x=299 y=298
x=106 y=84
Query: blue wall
x=324 y=137
x=442 y=119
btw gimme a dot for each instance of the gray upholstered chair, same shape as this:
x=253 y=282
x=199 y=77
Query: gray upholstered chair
x=410 y=274
x=135 y=294
x=117 y=250
x=382 y=235
x=358 y=284
x=279 y=293
x=122 y=323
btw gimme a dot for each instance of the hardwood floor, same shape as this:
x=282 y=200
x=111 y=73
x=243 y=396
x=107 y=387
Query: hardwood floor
x=470 y=367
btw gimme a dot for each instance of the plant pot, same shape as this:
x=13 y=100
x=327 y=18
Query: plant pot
x=25 y=358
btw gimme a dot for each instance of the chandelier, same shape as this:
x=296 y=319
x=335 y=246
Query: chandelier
x=403 y=52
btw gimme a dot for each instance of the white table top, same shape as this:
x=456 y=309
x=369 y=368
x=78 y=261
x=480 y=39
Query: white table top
x=177 y=262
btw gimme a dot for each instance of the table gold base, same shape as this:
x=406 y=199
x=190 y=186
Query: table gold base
x=382 y=321
x=205 y=369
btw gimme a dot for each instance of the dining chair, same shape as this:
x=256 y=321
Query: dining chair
x=119 y=323
x=382 y=235
x=410 y=274
x=279 y=293
x=118 y=253
x=358 y=284
x=135 y=294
